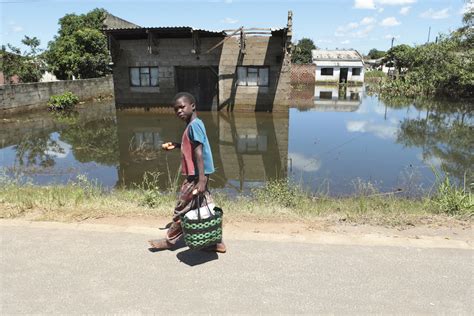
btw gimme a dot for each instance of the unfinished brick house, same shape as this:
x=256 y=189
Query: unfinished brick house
x=236 y=70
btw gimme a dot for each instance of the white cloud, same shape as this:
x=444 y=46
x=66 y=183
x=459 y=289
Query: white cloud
x=367 y=20
x=391 y=21
x=356 y=29
x=430 y=160
x=364 y=4
x=66 y=149
x=380 y=10
x=467 y=7
x=390 y=36
x=323 y=41
x=301 y=162
x=345 y=42
x=363 y=32
x=228 y=1
x=229 y=21
x=17 y=28
x=371 y=4
x=395 y=2
x=404 y=10
x=436 y=15
x=379 y=130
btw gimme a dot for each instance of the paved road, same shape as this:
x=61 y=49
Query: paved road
x=69 y=271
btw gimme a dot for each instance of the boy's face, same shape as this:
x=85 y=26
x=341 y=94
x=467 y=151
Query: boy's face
x=183 y=108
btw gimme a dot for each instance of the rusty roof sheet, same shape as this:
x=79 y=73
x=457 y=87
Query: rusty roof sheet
x=172 y=30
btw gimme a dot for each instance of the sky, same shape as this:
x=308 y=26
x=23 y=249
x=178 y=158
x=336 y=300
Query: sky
x=356 y=24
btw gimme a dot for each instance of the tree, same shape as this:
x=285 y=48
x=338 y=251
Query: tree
x=80 y=48
x=28 y=66
x=376 y=54
x=302 y=51
x=401 y=56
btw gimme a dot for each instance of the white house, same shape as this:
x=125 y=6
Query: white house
x=338 y=66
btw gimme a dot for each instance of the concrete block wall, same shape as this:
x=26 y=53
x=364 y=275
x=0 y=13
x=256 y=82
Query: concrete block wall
x=174 y=52
x=28 y=96
x=171 y=53
x=260 y=51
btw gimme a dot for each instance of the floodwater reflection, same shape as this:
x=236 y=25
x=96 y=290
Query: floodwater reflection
x=336 y=145
x=337 y=98
x=247 y=148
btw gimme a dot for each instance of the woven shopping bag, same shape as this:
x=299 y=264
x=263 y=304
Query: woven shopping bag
x=203 y=231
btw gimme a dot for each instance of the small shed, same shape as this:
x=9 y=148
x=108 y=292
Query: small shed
x=338 y=66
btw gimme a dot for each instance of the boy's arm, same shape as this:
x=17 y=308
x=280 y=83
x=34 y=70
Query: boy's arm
x=197 y=151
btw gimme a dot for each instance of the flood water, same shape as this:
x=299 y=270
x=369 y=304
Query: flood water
x=335 y=143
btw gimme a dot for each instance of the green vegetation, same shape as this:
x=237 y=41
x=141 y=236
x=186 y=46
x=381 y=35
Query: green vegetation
x=94 y=141
x=376 y=54
x=278 y=200
x=28 y=66
x=443 y=68
x=444 y=133
x=80 y=48
x=451 y=199
x=62 y=102
x=375 y=74
x=302 y=51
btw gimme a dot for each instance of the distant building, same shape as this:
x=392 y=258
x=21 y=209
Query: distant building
x=338 y=66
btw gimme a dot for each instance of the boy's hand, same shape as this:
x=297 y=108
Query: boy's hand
x=168 y=146
x=200 y=186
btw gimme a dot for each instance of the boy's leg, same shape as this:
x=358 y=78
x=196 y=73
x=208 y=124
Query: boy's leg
x=184 y=204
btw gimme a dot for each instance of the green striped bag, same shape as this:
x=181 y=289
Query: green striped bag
x=203 y=232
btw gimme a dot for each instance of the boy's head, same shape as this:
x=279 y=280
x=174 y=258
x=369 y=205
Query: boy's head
x=184 y=105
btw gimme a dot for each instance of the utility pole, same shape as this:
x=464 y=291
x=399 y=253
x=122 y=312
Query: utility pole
x=393 y=61
x=429 y=33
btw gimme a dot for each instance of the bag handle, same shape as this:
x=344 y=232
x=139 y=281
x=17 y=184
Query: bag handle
x=198 y=205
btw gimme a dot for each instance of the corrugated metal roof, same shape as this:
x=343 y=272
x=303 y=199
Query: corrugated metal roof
x=162 y=28
x=335 y=55
x=180 y=31
x=338 y=63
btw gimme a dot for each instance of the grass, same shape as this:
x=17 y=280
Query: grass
x=276 y=201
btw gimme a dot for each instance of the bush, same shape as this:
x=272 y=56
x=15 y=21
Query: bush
x=282 y=193
x=375 y=74
x=452 y=200
x=65 y=101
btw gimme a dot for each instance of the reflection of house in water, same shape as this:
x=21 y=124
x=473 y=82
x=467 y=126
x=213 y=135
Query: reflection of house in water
x=247 y=148
x=337 y=98
x=253 y=147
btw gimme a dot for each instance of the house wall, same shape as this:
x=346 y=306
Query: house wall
x=260 y=50
x=171 y=53
x=28 y=96
x=176 y=52
x=336 y=73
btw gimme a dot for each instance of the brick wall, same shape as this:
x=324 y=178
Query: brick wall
x=303 y=73
x=28 y=96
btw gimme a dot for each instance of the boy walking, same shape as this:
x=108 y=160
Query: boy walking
x=196 y=165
